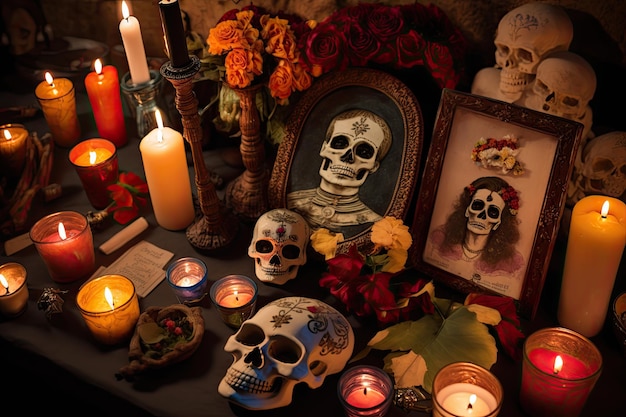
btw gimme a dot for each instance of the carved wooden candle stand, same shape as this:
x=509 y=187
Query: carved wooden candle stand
x=216 y=227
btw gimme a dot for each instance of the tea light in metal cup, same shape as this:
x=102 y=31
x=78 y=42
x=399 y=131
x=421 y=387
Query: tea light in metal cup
x=95 y=161
x=188 y=279
x=365 y=391
x=235 y=297
x=13 y=289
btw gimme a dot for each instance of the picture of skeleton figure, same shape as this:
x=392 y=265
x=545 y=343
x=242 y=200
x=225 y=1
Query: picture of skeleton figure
x=356 y=141
x=479 y=239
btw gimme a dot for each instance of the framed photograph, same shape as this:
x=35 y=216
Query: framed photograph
x=351 y=153
x=492 y=195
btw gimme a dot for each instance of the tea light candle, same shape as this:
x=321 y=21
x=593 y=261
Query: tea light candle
x=133 y=47
x=167 y=175
x=174 y=31
x=13 y=289
x=365 y=391
x=65 y=243
x=466 y=389
x=95 y=161
x=596 y=241
x=57 y=99
x=110 y=308
x=13 y=144
x=560 y=368
x=188 y=279
x=103 y=89
x=234 y=296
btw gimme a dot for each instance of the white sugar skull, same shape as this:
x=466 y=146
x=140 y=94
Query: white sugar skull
x=289 y=341
x=525 y=36
x=484 y=212
x=604 y=165
x=279 y=244
x=355 y=143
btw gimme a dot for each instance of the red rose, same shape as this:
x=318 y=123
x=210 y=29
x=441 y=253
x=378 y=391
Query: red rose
x=362 y=46
x=410 y=46
x=439 y=61
x=385 y=22
x=325 y=48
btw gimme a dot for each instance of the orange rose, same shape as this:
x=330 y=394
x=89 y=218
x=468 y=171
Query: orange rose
x=224 y=37
x=236 y=68
x=302 y=80
x=237 y=78
x=281 y=81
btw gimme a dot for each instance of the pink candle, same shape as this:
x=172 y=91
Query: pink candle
x=365 y=398
x=365 y=391
x=65 y=243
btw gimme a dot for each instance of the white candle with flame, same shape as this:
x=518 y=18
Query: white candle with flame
x=133 y=47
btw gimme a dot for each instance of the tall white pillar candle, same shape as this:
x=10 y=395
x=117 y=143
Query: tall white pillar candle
x=133 y=47
x=167 y=175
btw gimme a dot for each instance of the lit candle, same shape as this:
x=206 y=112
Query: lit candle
x=14 y=291
x=58 y=103
x=110 y=308
x=365 y=391
x=465 y=399
x=234 y=296
x=65 y=243
x=133 y=47
x=188 y=279
x=174 y=32
x=559 y=370
x=167 y=175
x=95 y=161
x=103 y=89
x=13 y=143
x=597 y=236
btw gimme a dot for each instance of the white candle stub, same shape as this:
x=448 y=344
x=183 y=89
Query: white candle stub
x=124 y=236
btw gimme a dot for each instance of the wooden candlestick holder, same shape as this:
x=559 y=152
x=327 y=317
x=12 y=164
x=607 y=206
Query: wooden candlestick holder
x=215 y=227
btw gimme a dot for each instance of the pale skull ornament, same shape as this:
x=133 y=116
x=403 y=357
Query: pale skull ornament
x=289 y=341
x=484 y=212
x=604 y=165
x=279 y=244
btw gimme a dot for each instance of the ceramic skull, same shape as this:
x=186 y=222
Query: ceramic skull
x=289 y=341
x=484 y=212
x=355 y=143
x=524 y=37
x=279 y=244
x=604 y=165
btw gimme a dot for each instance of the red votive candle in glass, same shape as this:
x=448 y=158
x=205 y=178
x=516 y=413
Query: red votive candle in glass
x=97 y=166
x=65 y=243
x=13 y=289
x=234 y=296
x=559 y=370
x=365 y=391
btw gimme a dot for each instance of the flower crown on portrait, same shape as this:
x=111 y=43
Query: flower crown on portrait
x=499 y=154
x=508 y=194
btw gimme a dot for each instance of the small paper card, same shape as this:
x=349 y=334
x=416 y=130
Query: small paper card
x=143 y=264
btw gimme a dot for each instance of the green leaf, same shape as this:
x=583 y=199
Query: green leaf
x=151 y=333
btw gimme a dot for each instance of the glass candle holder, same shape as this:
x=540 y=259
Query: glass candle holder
x=65 y=243
x=110 y=308
x=96 y=163
x=365 y=391
x=13 y=289
x=188 y=279
x=143 y=101
x=58 y=103
x=13 y=144
x=466 y=389
x=553 y=387
x=234 y=296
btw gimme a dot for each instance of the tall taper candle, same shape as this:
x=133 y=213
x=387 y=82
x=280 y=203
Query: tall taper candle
x=133 y=47
x=174 y=32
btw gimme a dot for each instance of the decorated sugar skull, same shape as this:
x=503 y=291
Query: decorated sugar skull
x=484 y=212
x=289 y=341
x=525 y=36
x=278 y=247
x=604 y=165
x=355 y=143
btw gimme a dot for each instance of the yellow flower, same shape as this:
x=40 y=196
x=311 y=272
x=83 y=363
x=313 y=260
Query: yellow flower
x=325 y=242
x=396 y=258
x=391 y=233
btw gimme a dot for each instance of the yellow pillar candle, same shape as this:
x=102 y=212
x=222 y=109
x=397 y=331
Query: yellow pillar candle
x=58 y=102
x=167 y=176
x=110 y=308
x=13 y=289
x=13 y=143
x=596 y=241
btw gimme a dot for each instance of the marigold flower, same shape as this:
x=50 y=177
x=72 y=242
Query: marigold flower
x=325 y=242
x=391 y=233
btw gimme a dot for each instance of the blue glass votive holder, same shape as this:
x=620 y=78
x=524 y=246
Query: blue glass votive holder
x=188 y=279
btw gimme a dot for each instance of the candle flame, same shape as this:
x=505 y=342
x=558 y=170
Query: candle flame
x=7 y=134
x=605 y=209
x=92 y=157
x=62 y=234
x=236 y=295
x=558 y=364
x=125 y=12
x=472 y=401
x=159 y=120
x=97 y=66
x=49 y=79
x=364 y=390
x=108 y=295
x=4 y=282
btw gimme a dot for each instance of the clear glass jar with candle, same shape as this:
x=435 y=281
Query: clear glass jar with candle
x=188 y=279
x=13 y=289
x=14 y=139
x=365 y=391
x=234 y=296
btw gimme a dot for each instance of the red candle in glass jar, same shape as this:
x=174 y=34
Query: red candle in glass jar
x=103 y=89
x=97 y=166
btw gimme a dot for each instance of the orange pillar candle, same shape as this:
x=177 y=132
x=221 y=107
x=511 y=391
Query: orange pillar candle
x=58 y=102
x=103 y=89
x=167 y=174
x=235 y=298
x=596 y=240
x=110 y=308
x=97 y=166
x=13 y=289
x=65 y=243
x=13 y=143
